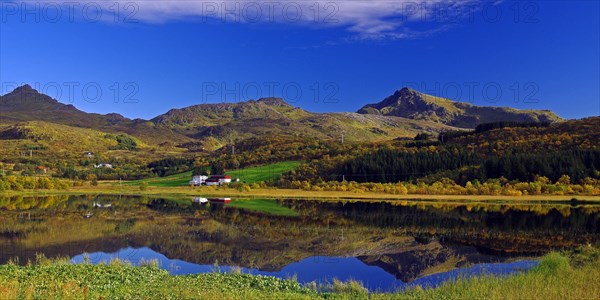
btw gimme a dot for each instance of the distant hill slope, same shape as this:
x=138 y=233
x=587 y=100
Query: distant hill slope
x=48 y=142
x=411 y=104
x=571 y=135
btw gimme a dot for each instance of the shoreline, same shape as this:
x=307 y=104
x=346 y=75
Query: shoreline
x=302 y=194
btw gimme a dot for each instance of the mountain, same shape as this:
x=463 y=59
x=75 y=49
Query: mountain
x=411 y=104
x=221 y=113
x=224 y=123
x=212 y=126
x=25 y=104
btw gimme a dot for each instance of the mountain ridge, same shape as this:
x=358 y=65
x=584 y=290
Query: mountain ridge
x=403 y=114
x=27 y=98
x=412 y=104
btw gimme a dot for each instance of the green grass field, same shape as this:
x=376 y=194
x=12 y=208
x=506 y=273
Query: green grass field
x=248 y=175
x=263 y=173
x=181 y=179
x=263 y=205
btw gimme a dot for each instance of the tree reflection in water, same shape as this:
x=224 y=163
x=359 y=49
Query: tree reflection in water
x=406 y=239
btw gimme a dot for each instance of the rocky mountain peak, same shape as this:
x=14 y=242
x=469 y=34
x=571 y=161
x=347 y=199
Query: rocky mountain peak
x=273 y=101
x=25 y=89
x=411 y=104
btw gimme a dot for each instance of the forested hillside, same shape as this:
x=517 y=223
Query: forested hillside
x=514 y=151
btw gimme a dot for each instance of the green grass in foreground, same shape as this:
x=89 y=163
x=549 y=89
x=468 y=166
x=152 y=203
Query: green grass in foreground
x=263 y=173
x=558 y=276
x=555 y=277
x=263 y=205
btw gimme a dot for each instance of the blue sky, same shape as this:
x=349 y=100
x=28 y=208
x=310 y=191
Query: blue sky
x=537 y=54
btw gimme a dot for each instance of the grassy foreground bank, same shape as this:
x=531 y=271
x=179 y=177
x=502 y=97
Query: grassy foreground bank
x=558 y=276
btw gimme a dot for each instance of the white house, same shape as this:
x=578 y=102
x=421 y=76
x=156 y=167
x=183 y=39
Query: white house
x=198 y=180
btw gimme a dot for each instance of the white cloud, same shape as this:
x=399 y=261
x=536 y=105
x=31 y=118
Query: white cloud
x=363 y=18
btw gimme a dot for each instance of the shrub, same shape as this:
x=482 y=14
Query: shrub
x=553 y=263
x=125 y=142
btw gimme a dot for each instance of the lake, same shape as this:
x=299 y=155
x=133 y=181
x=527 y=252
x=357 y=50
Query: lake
x=387 y=245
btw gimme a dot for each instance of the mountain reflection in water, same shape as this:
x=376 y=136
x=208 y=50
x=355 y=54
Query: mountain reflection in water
x=319 y=269
x=395 y=242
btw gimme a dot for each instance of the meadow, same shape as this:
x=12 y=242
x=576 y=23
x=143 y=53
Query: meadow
x=264 y=173
x=248 y=175
x=571 y=275
x=181 y=179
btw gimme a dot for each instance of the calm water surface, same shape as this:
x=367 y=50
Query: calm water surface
x=386 y=245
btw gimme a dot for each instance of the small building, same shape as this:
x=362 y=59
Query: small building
x=41 y=169
x=198 y=180
x=218 y=180
x=221 y=178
